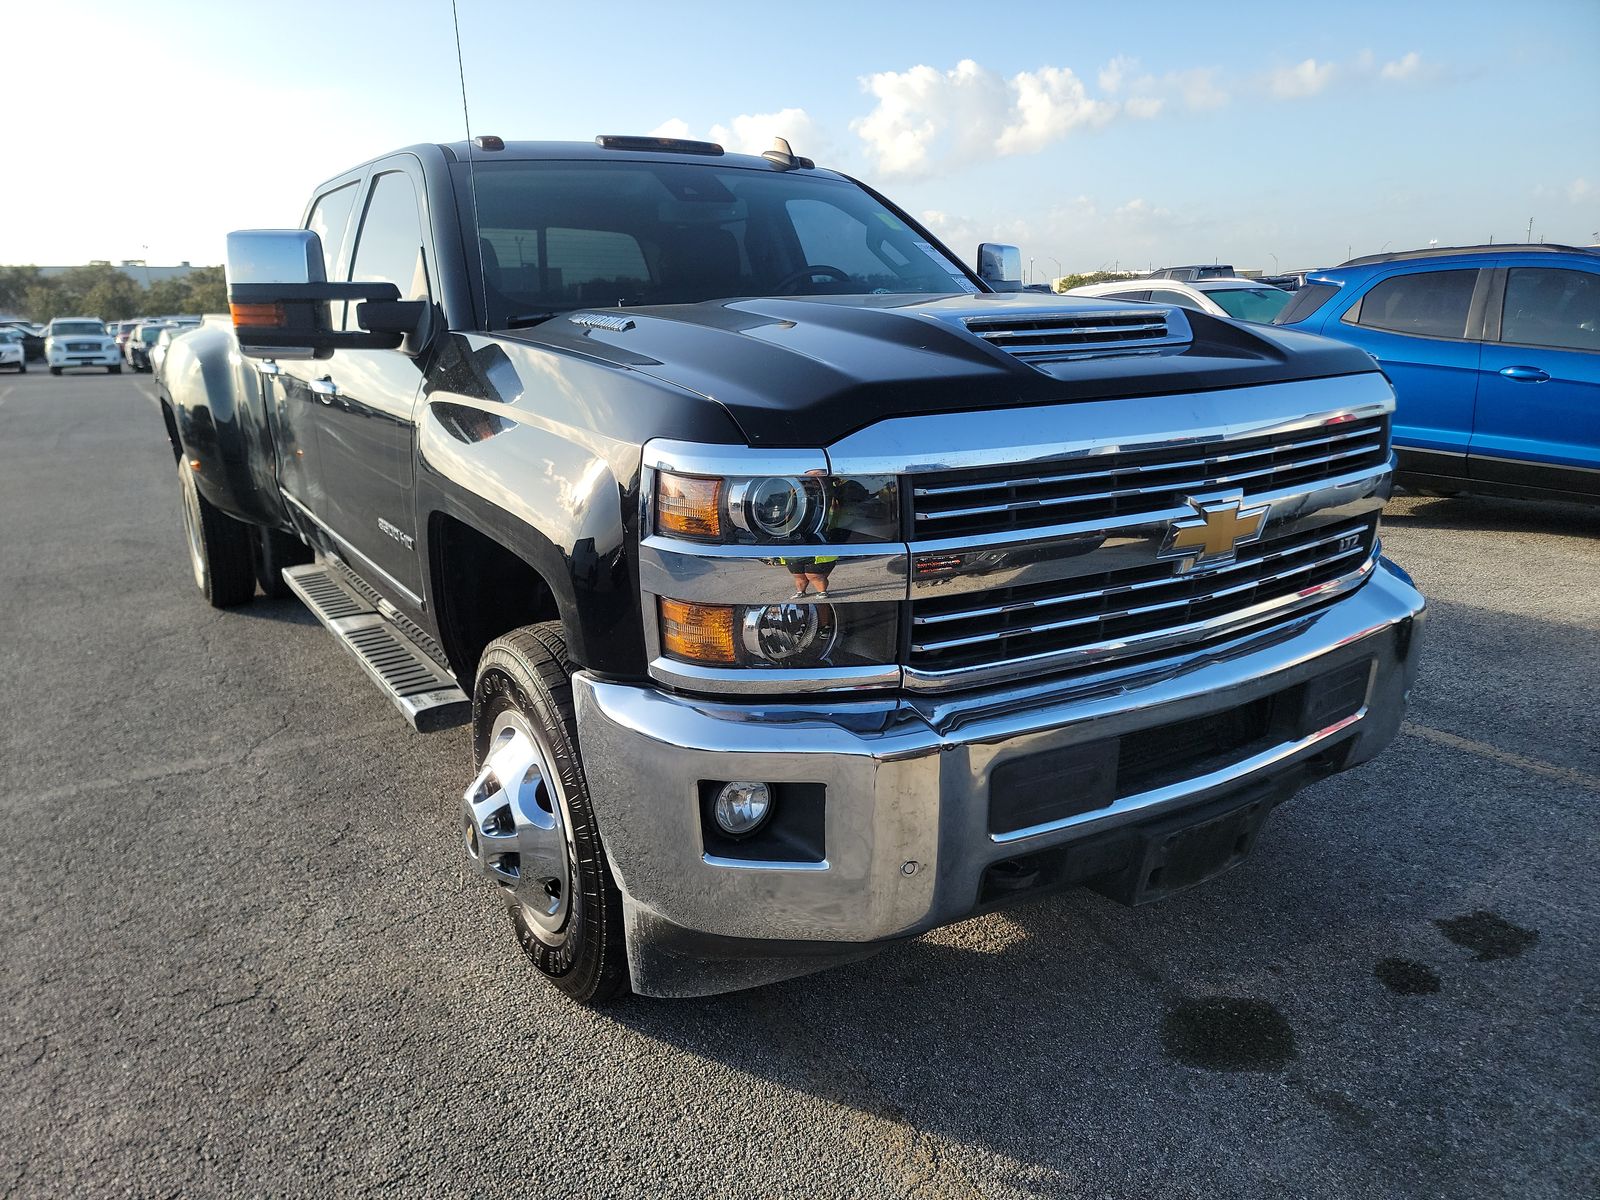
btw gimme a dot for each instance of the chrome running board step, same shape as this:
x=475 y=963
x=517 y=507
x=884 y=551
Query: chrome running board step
x=421 y=689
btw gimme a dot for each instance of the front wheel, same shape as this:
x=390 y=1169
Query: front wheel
x=55 y=370
x=114 y=370
x=529 y=821
x=219 y=546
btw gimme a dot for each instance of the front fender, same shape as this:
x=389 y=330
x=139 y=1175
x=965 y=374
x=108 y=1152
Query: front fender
x=541 y=452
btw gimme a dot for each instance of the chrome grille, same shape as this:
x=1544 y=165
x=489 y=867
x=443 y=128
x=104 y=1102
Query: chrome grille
x=1116 y=614
x=1054 y=337
x=1118 y=483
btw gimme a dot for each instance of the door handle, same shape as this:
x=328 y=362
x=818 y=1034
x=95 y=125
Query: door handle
x=268 y=367
x=324 y=389
x=1526 y=374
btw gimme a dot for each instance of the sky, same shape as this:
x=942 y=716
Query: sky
x=1094 y=135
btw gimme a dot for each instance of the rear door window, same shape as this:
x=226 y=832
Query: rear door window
x=330 y=217
x=1181 y=299
x=1547 y=307
x=1421 y=303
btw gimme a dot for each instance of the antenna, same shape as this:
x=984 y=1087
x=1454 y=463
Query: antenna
x=472 y=174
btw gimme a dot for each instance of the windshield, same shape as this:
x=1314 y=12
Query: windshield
x=77 y=329
x=148 y=336
x=1250 y=304
x=561 y=235
x=9 y=335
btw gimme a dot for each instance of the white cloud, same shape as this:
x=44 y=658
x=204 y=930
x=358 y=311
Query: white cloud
x=1405 y=67
x=751 y=133
x=672 y=127
x=970 y=113
x=1115 y=71
x=1144 y=107
x=1303 y=79
x=1049 y=104
x=1580 y=190
x=1199 y=87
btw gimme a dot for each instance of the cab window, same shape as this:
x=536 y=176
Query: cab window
x=1545 y=307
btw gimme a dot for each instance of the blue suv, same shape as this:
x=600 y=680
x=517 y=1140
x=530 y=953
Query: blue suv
x=1494 y=353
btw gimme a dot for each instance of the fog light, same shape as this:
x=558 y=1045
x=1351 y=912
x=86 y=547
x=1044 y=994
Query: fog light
x=780 y=633
x=742 y=807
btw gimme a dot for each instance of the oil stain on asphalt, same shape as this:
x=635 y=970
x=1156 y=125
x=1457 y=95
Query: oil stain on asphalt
x=1228 y=1033
x=1488 y=935
x=1405 y=977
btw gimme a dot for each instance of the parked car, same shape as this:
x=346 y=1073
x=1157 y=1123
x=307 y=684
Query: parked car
x=788 y=571
x=13 y=353
x=158 y=351
x=123 y=331
x=1494 y=352
x=79 y=342
x=32 y=339
x=1244 y=299
x=137 y=349
x=1190 y=274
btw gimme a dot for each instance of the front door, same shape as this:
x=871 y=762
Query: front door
x=1538 y=419
x=1415 y=324
x=366 y=402
x=286 y=385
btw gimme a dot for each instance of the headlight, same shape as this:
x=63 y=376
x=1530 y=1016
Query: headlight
x=790 y=635
x=778 y=509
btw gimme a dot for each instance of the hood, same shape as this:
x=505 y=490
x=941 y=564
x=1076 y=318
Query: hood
x=808 y=371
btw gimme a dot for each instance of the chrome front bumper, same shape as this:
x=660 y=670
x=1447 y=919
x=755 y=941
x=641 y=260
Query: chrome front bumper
x=907 y=837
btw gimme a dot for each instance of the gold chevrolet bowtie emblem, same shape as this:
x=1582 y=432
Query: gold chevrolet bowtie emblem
x=1214 y=533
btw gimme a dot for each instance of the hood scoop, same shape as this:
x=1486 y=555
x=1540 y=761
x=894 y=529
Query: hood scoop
x=1038 y=338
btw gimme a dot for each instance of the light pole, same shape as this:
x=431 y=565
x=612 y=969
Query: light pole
x=1030 y=270
x=1057 y=262
x=1275 y=270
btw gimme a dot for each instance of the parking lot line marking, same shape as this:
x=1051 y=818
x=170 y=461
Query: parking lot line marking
x=1507 y=757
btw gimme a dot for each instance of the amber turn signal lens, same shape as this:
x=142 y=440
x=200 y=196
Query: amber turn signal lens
x=700 y=633
x=270 y=315
x=689 y=505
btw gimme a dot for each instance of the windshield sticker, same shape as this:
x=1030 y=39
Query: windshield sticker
x=948 y=267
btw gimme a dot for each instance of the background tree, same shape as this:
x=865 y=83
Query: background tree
x=110 y=293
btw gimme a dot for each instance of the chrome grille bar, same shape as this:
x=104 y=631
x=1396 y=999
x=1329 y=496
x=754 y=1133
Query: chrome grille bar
x=1273 y=573
x=1137 y=480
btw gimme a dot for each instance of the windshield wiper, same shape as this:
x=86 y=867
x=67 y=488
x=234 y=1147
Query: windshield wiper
x=526 y=319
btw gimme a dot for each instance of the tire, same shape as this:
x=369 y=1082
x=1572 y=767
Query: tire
x=114 y=370
x=219 y=547
x=55 y=370
x=272 y=550
x=22 y=368
x=574 y=940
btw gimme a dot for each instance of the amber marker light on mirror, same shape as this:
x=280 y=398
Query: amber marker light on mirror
x=701 y=633
x=268 y=315
x=688 y=505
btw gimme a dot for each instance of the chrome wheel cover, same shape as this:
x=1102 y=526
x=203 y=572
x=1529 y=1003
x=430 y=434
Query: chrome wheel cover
x=516 y=827
x=191 y=525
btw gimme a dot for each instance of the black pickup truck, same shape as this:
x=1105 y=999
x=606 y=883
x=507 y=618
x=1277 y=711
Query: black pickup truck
x=805 y=589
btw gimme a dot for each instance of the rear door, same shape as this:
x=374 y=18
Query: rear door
x=1422 y=326
x=366 y=399
x=1538 y=422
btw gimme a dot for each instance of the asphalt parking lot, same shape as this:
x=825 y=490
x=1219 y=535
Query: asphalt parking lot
x=241 y=956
